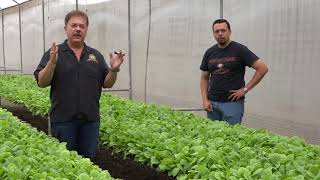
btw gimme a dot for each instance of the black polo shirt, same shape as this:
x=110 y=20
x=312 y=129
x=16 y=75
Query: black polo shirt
x=76 y=85
x=227 y=69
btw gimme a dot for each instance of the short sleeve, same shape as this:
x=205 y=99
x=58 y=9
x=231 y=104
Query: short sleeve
x=42 y=64
x=248 y=56
x=104 y=66
x=204 y=63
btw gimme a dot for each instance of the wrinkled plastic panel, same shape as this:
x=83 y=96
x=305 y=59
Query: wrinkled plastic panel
x=54 y=13
x=108 y=31
x=12 y=39
x=1 y=45
x=32 y=35
x=285 y=35
x=180 y=34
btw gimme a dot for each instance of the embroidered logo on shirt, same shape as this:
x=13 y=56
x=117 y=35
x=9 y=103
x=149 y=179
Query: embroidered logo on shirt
x=220 y=65
x=92 y=58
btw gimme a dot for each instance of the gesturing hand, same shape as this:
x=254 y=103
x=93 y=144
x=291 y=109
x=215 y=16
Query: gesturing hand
x=53 y=53
x=116 y=60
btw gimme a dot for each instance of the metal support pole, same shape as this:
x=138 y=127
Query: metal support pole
x=13 y=70
x=147 y=55
x=4 y=57
x=113 y=90
x=49 y=126
x=43 y=28
x=188 y=109
x=20 y=36
x=129 y=49
x=221 y=9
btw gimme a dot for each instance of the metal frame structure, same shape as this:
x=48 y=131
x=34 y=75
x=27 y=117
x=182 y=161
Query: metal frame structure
x=5 y=70
x=129 y=90
x=147 y=58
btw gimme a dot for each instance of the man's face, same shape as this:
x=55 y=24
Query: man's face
x=76 y=29
x=221 y=33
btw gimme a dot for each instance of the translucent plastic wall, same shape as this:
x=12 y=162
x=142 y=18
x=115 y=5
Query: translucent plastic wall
x=31 y=35
x=1 y=45
x=160 y=61
x=284 y=33
x=11 y=39
x=54 y=13
x=180 y=32
x=108 y=31
x=164 y=43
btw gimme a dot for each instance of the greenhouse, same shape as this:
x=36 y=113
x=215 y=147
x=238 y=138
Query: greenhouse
x=152 y=123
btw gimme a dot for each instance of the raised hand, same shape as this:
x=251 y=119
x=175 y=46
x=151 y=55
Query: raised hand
x=53 y=53
x=116 y=60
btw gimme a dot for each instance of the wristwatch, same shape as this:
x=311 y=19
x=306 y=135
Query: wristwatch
x=245 y=89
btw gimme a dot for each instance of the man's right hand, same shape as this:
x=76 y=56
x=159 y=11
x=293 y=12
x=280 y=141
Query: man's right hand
x=53 y=54
x=46 y=74
x=207 y=106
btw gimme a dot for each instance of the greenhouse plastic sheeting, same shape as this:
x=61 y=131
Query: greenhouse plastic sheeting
x=285 y=34
x=32 y=35
x=11 y=38
x=165 y=60
x=1 y=45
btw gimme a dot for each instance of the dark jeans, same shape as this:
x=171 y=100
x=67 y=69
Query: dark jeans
x=80 y=135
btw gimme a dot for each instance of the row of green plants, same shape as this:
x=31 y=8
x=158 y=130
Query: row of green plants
x=191 y=147
x=188 y=146
x=26 y=153
x=23 y=90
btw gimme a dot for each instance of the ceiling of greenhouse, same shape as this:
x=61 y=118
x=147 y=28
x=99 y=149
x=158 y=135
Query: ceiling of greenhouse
x=8 y=3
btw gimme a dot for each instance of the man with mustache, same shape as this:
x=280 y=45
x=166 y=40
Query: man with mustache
x=222 y=78
x=76 y=73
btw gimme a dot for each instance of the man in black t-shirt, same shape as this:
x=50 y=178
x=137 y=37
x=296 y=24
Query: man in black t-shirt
x=222 y=78
x=76 y=74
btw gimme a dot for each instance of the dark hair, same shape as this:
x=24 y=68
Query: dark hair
x=75 y=13
x=218 y=21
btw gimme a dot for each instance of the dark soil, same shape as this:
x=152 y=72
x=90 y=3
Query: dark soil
x=117 y=166
x=127 y=168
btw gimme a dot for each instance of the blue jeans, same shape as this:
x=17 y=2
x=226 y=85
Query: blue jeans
x=80 y=135
x=231 y=112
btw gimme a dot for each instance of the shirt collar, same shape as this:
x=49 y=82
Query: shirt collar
x=65 y=47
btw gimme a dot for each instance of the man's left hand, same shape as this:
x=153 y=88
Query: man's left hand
x=116 y=60
x=236 y=94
